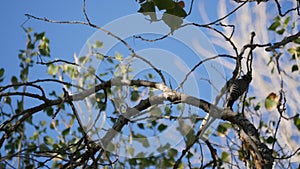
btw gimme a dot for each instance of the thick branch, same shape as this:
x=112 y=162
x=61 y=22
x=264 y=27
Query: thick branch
x=168 y=94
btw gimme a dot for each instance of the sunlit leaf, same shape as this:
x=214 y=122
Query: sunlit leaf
x=225 y=156
x=43 y=123
x=83 y=59
x=52 y=69
x=142 y=139
x=98 y=44
x=286 y=21
x=130 y=150
x=271 y=101
x=119 y=57
x=43 y=47
x=297 y=122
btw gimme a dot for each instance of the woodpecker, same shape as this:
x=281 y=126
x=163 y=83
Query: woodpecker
x=238 y=88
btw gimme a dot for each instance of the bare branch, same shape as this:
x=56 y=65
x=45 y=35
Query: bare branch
x=198 y=64
x=283 y=42
x=288 y=11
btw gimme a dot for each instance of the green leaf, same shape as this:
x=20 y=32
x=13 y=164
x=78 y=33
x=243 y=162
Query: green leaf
x=49 y=111
x=130 y=150
x=140 y=155
x=274 y=25
x=65 y=132
x=83 y=59
x=2 y=70
x=156 y=112
x=142 y=139
x=134 y=95
x=164 y=4
x=286 y=21
x=280 y=31
x=148 y=8
x=39 y=36
x=172 y=152
x=1 y=74
x=98 y=44
x=99 y=56
x=29 y=30
x=162 y=127
x=292 y=50
x=132 y=161
x=225 y=156
x=44 y=48
x=172 y=21
x=297 y=41
x=14 y=80
x=119 y=57
x=257 y=107
x=43 y=123
x=7 y=100
x=168 y=111
x=270 y=140
x=222 y=129
x=297 y=122
x=35 y=136
x=48 y=140
x=150 y=76
x=52 y=70
x=44 y=148
x=271 y=101
x=177 y=11
x=295 y=68
x=141 y=125
x=99 y=96
x=110 y=60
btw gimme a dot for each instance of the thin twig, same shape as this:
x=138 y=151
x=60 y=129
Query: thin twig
x=198 y=64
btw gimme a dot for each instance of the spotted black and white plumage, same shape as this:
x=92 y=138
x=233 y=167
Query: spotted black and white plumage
x=238 y=88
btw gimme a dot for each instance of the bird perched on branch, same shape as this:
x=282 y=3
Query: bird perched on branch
x=238 y=88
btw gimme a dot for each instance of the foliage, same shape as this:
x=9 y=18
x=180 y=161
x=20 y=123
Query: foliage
x=55 y=121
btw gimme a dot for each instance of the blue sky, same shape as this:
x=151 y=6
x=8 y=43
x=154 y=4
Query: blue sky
x=64 y=39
